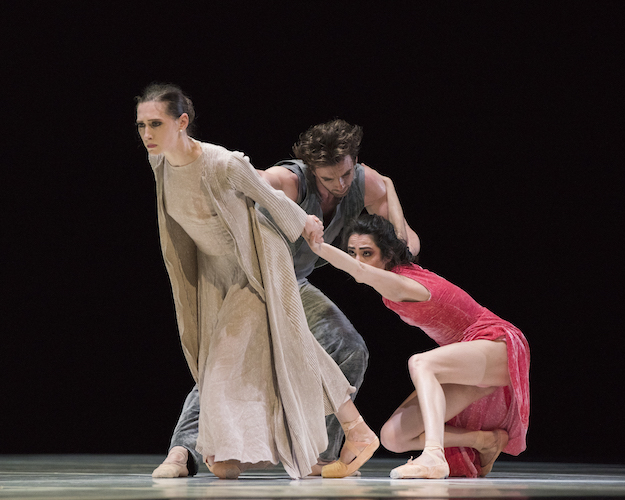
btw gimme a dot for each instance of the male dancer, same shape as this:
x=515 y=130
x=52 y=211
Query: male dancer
x=326 y=181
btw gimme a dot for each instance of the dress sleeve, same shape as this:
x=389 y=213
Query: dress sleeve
x=242 y=177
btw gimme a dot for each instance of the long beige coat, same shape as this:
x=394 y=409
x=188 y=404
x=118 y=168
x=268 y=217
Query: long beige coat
x=310 y=385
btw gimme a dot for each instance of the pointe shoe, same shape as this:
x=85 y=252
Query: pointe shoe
x=317 y=468
x=413 y=470
x=228 y=469
x=171 y=470
x=341 y=469
x=501 y=438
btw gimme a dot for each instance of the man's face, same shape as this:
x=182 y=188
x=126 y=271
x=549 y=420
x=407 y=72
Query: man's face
x=336 y=179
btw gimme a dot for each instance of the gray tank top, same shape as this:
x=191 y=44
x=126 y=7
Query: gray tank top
x=350 y=207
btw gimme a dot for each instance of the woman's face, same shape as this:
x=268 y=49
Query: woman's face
x=362 y=248
x=158 y=130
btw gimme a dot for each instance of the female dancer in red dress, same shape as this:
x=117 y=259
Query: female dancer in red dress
x=471 y=398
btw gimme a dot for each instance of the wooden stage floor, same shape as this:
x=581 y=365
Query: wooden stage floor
x=117 y=477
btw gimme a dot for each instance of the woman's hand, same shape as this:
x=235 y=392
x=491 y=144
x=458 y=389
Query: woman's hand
x=313 y=233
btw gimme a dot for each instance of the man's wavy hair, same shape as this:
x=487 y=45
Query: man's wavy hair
x=328 y=143
x=383 y=235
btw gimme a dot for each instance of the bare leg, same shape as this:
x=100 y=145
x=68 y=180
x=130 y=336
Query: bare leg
x=458 y=369
x=404 y=430
x=360 y=442
x=360 y=433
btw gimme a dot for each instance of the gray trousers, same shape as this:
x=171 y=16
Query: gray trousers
x=335 y=334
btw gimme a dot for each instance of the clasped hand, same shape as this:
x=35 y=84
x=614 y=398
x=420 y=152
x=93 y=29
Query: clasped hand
x=313 y=232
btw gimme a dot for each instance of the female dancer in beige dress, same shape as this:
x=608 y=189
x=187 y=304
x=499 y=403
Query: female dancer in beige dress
x=265 y=383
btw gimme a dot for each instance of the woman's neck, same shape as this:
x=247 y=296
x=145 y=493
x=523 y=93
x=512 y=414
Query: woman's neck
x=186 y=151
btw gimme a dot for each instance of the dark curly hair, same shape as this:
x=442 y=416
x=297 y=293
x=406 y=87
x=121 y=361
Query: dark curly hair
x=176 y=102
x=328 y=143
x=383 y=234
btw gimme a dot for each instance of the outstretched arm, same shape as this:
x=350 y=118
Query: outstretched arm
x=388 y=284
x=379 y=201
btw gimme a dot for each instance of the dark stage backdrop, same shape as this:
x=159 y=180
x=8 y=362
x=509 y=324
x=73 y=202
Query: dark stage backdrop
x=500 y=122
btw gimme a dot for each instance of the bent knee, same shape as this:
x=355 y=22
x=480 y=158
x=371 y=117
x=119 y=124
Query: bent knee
x=388 y=438
x=421 y=363
x=391 y=440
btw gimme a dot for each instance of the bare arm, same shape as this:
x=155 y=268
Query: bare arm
x=384 y=202
x=283 y=179
x=396 y=217
x=388 y=284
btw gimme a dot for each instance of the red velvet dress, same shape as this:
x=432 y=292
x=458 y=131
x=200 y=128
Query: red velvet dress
x=451 y=315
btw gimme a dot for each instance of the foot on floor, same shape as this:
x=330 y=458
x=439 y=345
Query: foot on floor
x=489 y=445
x=431 y=464
x=175 y=465
x=360 y=445
x=228 y=469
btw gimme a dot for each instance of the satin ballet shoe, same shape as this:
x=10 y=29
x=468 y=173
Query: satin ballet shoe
x=228 y=469
x=413 y=470
x=501 y=438
x=317 y=468
x=171 y=470
x=341 y=469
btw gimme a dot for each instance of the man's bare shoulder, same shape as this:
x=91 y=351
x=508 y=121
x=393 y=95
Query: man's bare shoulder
x=374 y=184
x=282 y=173
x=283 y=179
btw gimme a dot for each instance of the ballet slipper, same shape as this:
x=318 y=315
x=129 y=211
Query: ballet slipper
x=414 y=470
x=171 y=470
x=501 y=440
x=318 y=467
x=228 y=469
x=363 y=451
x=175 y=465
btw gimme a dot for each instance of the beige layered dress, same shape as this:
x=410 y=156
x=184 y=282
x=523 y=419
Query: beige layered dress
x=265 y=383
